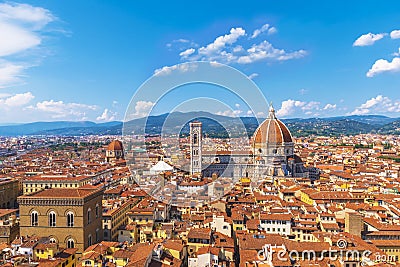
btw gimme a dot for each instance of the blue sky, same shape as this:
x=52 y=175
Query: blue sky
x=83 y=60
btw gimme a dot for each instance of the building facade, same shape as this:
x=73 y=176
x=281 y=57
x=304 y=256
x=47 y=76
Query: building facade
x=271 y=154
x=71 y=217
x=195 y=147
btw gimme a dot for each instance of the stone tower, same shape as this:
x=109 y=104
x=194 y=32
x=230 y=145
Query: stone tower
x=195 y=147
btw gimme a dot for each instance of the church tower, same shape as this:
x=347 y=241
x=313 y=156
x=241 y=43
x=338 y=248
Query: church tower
x=195 y=147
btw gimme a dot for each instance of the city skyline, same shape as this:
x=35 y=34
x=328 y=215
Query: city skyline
x=311 y=60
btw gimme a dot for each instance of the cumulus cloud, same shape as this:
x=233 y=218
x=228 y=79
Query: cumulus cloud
x=59 y=109
x=368 y=39
x=378 y=104
x=17 y=100
x=293 y=107
x=221 y=41
x=382 y=65
x=107 y=115
x=232 y=48
x=21 y=27
x=395 y=34
x=288 y=107
x=142 y=109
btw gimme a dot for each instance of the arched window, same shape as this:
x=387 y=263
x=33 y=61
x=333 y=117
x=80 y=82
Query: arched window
x=52 y=219
x=89 y=240
x=70 y=219
x=53 y=240
x=97 y=210
x=195 y=139
x=34 y=218
x=70 y=243
x=97 y=235
x=89 y=216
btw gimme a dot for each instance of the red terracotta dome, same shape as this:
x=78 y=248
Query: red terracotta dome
x=115 y=145
x=272 y=131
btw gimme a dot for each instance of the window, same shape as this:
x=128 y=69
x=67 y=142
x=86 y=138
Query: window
x=88 y=216
x=52 y=219
x=34 y=218
x=70 y=243
x=70 y=219
x=97 y=235
x=97 y=210
x=53 y=240
x=89 y=240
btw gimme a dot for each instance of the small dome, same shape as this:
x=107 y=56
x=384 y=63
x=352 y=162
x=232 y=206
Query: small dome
x=115 y=145
x=272 y=131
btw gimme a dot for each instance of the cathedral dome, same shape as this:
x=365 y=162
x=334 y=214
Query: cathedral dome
x=115 y=145
x=272 y=131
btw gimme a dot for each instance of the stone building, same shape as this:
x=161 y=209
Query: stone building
x=271 y=154
x=114 y=151
x=9 y=189
x=72 y=217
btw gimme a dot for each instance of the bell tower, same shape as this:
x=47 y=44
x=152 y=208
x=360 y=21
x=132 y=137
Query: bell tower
x=195 y=147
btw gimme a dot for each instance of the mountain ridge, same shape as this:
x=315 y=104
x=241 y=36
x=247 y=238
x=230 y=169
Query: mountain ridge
x=213 y=124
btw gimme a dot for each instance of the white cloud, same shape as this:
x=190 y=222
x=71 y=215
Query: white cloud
x=272 y=30
x=16 y=39
x=36 y=17
x=265 y=28
x=395 y=34
x=187 y=52
x=227 y=49
x=17 y=100
x=329 y=106
x=382 y=65
x=59 y=109
x=312 y=105
x=288 y=107
x=221 y=41
x=252 y=76
x=21 y=28
x=265 y=50
x=257 y=32
x=166 y=70
x=10 y=73
x=298 y=108
x=368 y=39
x=378 y=104
x=107 y=115
x=142 y=109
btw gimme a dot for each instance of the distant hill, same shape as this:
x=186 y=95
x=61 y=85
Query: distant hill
x=47 y=128
x=213 y=125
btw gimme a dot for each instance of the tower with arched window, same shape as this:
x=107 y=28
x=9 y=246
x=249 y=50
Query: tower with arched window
x=195 y=147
